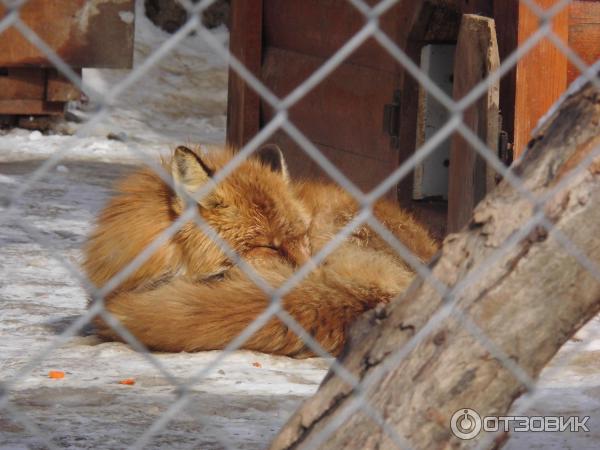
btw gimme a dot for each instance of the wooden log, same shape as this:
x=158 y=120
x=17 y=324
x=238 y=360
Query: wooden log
x=529 y=302
x=469 y=176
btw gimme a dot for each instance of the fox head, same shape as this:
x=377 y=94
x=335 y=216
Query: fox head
x=252 y=209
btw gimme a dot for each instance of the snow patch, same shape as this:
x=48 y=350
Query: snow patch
x=243 y=401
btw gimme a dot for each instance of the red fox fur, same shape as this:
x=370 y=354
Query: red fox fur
x=189 y=296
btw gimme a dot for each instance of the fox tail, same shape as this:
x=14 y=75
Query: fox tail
x=181 y=315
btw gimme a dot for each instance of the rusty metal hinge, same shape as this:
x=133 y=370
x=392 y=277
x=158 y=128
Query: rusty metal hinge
x=391 y=119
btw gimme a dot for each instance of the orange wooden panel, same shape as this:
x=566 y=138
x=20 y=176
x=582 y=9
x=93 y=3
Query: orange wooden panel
x=584 y=11
x=584 y=33
x=83 y=33
x=541 y=75
x=22 y=84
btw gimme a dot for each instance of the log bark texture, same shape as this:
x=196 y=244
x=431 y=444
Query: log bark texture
x=529 y=302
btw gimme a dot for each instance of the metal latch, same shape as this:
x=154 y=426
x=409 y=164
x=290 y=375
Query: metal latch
x=391 y=120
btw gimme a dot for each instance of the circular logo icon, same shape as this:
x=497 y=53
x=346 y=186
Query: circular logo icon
x=465 y=424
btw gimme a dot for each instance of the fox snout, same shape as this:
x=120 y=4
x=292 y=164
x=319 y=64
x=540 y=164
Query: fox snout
x=298 y=252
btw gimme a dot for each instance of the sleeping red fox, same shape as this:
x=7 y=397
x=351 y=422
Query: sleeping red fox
x=189 y=296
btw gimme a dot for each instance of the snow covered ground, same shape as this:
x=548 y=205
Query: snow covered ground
x=242 y=402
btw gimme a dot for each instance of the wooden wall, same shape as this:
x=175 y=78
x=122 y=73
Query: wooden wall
x=284 y=42
x=584 y=33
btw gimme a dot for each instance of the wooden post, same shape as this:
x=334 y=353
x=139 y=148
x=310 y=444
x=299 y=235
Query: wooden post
x=527 y=95
x=469 y=178
x=243 y=104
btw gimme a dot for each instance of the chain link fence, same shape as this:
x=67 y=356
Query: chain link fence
x=281 y=121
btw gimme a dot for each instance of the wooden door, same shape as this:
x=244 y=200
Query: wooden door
x=344 y=114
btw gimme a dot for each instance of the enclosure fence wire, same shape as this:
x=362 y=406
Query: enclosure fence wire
x=281 y=121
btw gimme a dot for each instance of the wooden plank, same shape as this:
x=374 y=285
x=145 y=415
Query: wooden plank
x=309 y=27
x=245 y=43
x=584 y=12
x=535 y=94
x=83 y=34
x=584 y=33
x=30 y=107
x=365 y=172
x=344 y=111
x=22 y=84
x=469 y=178
x=59 y=89
x=585 y=42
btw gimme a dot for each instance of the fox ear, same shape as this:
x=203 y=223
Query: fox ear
x=272 y=156
x=190 y=173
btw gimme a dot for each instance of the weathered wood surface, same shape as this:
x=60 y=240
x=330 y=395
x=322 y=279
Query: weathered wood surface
x=83 y=34
x=529 y=302
x=469 y=176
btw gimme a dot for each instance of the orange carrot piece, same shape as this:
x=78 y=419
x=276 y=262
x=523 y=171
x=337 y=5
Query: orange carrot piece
x=56 y=374
x=127 y=381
